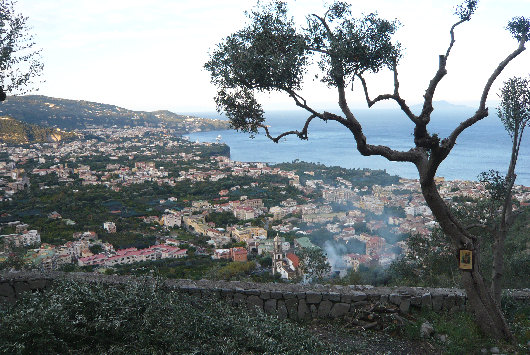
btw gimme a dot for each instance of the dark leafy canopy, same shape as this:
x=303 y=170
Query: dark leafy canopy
x=19 y=61
x=519 y=27
x=268 y=55
x=271 y=54
x=514 y=108
x=496 y=185
x=466 y=9
x=350 y=46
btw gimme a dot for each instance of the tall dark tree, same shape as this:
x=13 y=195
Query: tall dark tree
x=19 y=61
x=514 y=112
x=272 y=54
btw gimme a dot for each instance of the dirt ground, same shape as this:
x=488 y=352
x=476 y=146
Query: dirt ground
x=372 y=342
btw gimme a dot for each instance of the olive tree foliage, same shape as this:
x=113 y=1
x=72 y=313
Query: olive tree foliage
x=514 y=112
x=271 y=54
x=19 y=60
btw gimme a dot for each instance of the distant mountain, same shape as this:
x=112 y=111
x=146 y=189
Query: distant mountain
x=17 y=132
x=72 y=114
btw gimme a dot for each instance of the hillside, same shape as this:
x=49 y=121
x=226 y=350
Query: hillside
x=17 y=132
x=79 y=114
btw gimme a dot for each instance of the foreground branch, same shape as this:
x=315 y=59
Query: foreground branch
x=300 y=134
x=395 y=96
x=482 y=111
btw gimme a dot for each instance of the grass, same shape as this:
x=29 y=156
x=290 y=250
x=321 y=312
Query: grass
x=463 y=336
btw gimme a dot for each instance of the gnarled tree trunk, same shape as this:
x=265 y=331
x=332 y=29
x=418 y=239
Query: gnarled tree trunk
x=486 y=310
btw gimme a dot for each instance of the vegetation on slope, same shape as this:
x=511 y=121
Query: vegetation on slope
x=17 y=132
x=142 y=318
x=72 y=114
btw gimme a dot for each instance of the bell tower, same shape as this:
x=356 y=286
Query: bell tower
x=277 y=254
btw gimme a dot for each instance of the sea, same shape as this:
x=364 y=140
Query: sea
x=482 y=147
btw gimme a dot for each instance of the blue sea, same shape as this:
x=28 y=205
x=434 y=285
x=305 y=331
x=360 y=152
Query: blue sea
x=482 y=147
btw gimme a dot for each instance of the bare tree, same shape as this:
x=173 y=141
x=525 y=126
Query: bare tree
x=19 y=61
x=272 y=54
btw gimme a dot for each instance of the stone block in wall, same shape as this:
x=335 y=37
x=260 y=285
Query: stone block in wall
x=313 y=297
x=38 y=284
x=209 y=293
x=288 y=295
x=358 y=296
x=303 y=310
x=254 y=302
x=276 y=295
x=449 y=302
x=415 y=301
x=314 y=311
x=384 y=299
x=404 y=306
x=346 y=298
x=270 y=306
x=265 y=295
x=359 y=304
x=21 y=286
x=339 y=310
x=300 y=295
x=331 y=296
x=461 y=302
x=324 y=308
x=426 y=301
x=251 y=292
x=437 y=302
x=189 y=289
x=6 y=290
x=292 y=307
x=227 y=292
x=239 y=299
x=395 y=298
x=282 y=309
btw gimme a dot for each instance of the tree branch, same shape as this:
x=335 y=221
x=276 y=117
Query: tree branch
x=300 y=134
x=324 y=23
x=447 y=144
x=482 y=111
x=498 y=71
x=478 y=225
x=440 y=73
x=317 y=50
x=452 y=32
x=395 y=96
x=367 y=149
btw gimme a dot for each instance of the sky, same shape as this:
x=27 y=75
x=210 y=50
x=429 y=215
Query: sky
x=149 y=55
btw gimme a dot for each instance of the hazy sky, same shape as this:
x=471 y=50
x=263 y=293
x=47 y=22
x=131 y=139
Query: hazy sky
x=148 y=55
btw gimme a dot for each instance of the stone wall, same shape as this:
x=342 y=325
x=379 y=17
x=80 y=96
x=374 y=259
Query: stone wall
x=286 y=300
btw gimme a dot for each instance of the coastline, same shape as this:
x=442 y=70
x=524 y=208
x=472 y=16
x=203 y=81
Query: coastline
x=260 y=149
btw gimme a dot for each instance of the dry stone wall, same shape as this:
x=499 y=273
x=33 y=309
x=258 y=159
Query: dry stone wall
x=292 y=301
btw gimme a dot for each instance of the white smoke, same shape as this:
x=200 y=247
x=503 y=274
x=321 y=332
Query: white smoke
x=334 y=253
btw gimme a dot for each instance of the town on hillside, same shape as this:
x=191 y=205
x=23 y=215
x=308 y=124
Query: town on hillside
x=118 y=199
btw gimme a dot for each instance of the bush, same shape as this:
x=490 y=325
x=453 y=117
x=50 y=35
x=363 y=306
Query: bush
x=135 y=318
x=233 y=270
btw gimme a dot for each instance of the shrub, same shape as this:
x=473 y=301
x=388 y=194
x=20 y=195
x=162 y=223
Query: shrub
x=89 y=318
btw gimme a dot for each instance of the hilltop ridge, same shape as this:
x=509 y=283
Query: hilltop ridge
x=80 y=114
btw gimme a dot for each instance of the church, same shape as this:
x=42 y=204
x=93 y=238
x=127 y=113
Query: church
x=285 y=264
